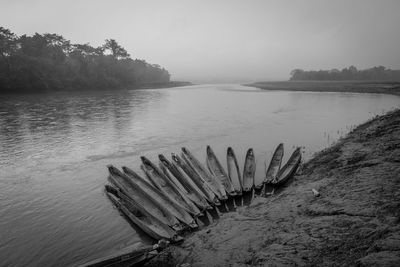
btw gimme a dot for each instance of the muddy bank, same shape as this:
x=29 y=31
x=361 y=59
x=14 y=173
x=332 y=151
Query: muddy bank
x=354 y=221
x=379 y=87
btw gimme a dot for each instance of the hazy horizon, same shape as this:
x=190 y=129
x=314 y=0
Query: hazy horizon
x=225 y=41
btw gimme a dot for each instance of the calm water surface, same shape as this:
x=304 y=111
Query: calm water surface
x=54 y=148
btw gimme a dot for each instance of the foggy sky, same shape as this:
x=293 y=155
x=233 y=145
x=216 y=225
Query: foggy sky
x=232 y=40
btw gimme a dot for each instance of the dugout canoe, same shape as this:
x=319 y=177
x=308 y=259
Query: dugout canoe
x=209 y=181
x=289 y=169
x=195 y=177
x=165 y=185
x=275 y=164
x=193 y=192
x=136 y=193
x=137 y=214
x=233 y=171
x=181 y=189
x=163 y=200
x=219 y=174
x=130 y=256
x=249 y=171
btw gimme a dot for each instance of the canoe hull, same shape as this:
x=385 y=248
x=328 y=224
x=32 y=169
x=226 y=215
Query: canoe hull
x=249 y=171
x=289 y=169
x=216 y=169
x=214 y=185
x=233 y=171
x=136 y=193
x=140 y=216
x=275 y=164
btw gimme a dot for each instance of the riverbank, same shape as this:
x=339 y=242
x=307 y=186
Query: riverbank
x=72 y=89
x=378 y=87
x=354 y=221
x=157 y=85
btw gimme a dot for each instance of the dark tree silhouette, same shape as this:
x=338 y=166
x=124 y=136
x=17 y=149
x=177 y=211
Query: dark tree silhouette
x=49 y=62
x=379 y=73
x=116 y=50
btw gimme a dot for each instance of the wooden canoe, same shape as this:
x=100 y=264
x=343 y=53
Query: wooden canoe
x=233 y=171
x=209 y=181
x=176 y=210
x=193 y=192
x=249 y=171
x=181 y=189
x=289 y=169
x=164 y=184
x=136 y=193
x=140 y=216
x=275 y=164
x=219 y=174
x=130 y=256
x=200 y=183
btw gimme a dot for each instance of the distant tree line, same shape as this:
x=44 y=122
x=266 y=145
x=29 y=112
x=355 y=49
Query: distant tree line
x=379 y=73
x=49 y=62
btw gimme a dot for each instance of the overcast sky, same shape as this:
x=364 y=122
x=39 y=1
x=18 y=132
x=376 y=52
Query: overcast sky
x=232 y=40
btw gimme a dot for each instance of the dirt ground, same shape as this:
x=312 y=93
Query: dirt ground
x=354 y=222
x=380 y=87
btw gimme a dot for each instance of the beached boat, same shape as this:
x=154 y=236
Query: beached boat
x=140 y=216
x=249 y=171
x=186 y=195
x=213 y=184
x=190 y=188
x=170 y=171
x=136 y=193
x=219 y=174
x=128 y=257
x=160 y=198
x=165 y=185
x=200 y=183
x=289 y=169
x=274 y=165
x=233 y=171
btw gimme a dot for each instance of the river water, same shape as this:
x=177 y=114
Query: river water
x=54 y=149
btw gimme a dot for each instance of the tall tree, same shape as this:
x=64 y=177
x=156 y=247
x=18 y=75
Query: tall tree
x=117 y=51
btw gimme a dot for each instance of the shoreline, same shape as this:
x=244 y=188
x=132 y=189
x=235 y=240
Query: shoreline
x=375 y=87
x=354 y=221
x=116 y=89
x=160 y=85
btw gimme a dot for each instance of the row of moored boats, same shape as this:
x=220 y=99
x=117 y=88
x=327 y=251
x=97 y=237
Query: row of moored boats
x=172 y=195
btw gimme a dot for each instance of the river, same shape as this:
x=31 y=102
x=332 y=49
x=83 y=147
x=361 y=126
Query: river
x=54 y=149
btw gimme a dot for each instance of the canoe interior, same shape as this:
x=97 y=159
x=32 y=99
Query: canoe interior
x=249 y=171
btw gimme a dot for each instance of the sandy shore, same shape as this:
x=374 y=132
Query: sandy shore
x=354 y=221
x=379 y=87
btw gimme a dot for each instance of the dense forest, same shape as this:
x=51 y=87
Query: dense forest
x=351 y=73
x=49 y=62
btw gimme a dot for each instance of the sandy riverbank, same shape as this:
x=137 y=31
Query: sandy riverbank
x=354 y=221
x=379 y=87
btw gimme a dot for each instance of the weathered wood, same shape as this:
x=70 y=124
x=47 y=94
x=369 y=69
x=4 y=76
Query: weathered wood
x=216 y=169
x=196 y=178
x=136 y=193
x=137 y=214
x=182 y=191
x=233 y=171
x=195 y=194
x=164 y=184
x=289 y=169
x=275 y=164
x=209 y=181
x=249 y=171
x=162 y=200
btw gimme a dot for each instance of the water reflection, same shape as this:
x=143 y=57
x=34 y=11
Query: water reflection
x=43 y=126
